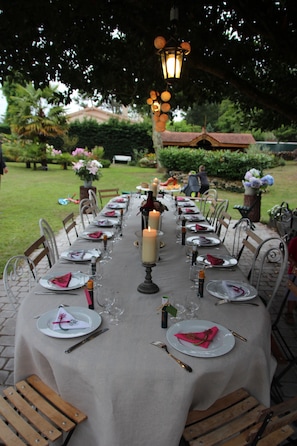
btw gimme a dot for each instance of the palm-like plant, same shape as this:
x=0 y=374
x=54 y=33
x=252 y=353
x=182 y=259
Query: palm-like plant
x=35 y=115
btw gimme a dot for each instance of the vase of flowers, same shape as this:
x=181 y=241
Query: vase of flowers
x=86 y=167
x=254 y=182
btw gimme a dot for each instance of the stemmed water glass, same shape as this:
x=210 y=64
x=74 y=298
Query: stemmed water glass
x=105 y=298
x=192 y=304
x=115 y=311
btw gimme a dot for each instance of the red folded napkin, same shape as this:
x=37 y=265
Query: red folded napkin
x=62 y=281
x=214 y=260
x=200 y=339
x=110 y=213
x=119 y=200
x=189 y=210
x=95 y=234
x=199 y=227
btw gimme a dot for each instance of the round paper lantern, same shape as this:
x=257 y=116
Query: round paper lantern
x=156 y=116
x=186 y=46
x=163 y=117
x=153 y=94
x=165 y=96
x=165 y=107
x=149 y=101
x=159 y=42
x=160 y=126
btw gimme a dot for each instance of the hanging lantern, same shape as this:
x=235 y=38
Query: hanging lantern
x=171 y=52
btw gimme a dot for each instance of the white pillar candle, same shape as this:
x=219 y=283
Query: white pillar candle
x=154 y=219
x=149 y=245
x=155 y=189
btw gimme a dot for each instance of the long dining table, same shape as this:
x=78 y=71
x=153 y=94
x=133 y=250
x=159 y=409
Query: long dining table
x=133 y=392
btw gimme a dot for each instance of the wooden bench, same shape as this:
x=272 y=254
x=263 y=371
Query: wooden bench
x=238 y=419
x=121 y=158
x=32 y=413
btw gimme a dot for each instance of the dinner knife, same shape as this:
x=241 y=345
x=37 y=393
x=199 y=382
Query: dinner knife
x=88 y=338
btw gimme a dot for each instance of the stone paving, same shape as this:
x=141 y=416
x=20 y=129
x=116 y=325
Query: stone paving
x=8 y=317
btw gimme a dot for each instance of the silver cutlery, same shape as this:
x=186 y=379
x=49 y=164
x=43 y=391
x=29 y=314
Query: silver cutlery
x=227 y=301
x=87 y=339
x=164 y=347
x=53 y=292
x=237 y=335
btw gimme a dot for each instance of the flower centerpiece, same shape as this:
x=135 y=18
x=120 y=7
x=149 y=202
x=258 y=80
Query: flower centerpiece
x=254 y=182
x=86 y=167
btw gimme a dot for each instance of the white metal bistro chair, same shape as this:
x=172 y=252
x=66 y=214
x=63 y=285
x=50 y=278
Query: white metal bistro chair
x=271 y=255
x=19 y=277
x=50 y=240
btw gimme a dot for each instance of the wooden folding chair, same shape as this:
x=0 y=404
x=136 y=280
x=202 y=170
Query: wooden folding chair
x=107 y=193
x=32 y=413
x=223 y=225
x=69 y=224
x=238 y=419
x=38 y=250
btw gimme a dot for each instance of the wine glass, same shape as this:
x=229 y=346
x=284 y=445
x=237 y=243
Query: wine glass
x=115 y=311
x=105 y=298
x=192 y=304
x=107 y=250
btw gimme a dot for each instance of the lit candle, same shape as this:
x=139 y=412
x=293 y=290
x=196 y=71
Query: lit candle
x=155 y=189
x=154 y=219
x=149 y=245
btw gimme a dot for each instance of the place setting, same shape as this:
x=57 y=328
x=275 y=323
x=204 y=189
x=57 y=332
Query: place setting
x=68 y=323
x=105 y=223
x=196 y=227
x=80 y=255
x=63 y=283
x=112 y=214
x=200 y=338
x=96 y=235
x=221 y=261
x=116 y=205
x=231 y=291
x=201 y=240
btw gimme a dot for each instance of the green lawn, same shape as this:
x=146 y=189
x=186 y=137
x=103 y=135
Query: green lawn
x=27 y=195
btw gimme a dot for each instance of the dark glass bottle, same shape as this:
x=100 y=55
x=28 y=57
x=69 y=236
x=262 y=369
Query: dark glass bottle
x=146 y=208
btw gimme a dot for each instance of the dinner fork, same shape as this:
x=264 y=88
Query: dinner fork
x=164 y=347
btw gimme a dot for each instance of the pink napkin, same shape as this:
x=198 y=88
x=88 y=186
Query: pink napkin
x=180 y=199
x=62 y=281
x=200 y=339
x=110 y=213
x=119 y=200
x=199 y=227
x=214 y=260
x=189 y=211
x=95 y=234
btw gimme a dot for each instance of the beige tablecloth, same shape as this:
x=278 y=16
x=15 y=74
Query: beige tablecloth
x=135 y=394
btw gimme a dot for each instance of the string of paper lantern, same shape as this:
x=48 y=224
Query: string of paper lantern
x=160 y=107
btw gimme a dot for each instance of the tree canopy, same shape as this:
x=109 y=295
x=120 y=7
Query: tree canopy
x=242 y=50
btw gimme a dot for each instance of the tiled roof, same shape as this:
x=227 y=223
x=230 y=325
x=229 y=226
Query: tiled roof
x=216 y=139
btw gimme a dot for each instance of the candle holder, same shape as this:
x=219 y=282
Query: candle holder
x=148 y=286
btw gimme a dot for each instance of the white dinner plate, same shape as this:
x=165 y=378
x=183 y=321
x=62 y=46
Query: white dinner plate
x=245 y=291
x=186 y=204
x=105 y=223
x=188 y=210
x=222 y=343
x=116 y=214
x=78 y=280
x=44 y=323
x=116 y=205
x=206 y=227
x=228 y=261
x=86 y=235
x=202 y=241
x=87 y=255
x=121 y=200
x=194 y=217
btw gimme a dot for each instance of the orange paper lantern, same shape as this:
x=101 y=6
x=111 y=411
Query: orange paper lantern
x=160 y=126
x=149 y=101
x=163 y=117
x=165 y=107
x=159 y=42
x=165 y=96
x=186 y=46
